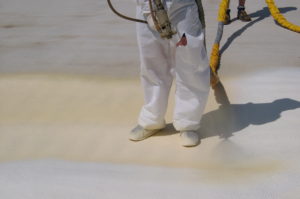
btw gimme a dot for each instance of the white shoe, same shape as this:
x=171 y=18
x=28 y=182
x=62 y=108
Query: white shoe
x=139 y=133
x=189 y=138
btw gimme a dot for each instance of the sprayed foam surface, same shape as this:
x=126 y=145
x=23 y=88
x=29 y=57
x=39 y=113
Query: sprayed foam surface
x=63 y=179
x=249 y=148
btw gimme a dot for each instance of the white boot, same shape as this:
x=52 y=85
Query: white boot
x=139 y=133
x=189 y=138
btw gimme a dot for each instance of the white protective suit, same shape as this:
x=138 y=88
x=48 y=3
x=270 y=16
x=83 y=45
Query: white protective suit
x=161 y=61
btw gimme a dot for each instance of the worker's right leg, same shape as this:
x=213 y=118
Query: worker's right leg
x=156 y=77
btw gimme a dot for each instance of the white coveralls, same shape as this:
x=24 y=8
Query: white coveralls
x=161 y=60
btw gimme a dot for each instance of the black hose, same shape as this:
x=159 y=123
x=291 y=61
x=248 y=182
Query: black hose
x=123 y=16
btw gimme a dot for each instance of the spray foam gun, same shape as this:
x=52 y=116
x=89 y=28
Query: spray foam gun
x=159 y=15
x=161 y=20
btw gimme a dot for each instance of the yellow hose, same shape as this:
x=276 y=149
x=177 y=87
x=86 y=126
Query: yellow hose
x=215 y=55
x=222 y=10
x=214 y=63
x=280 y=18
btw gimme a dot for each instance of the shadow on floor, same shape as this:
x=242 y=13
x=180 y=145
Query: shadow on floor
x=231 y=118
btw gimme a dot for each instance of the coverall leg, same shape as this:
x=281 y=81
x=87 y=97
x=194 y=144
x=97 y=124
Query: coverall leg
x=161 y=61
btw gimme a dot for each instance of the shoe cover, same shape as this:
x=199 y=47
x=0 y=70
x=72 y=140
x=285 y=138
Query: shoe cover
x=139 y=133
x=189 y=138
